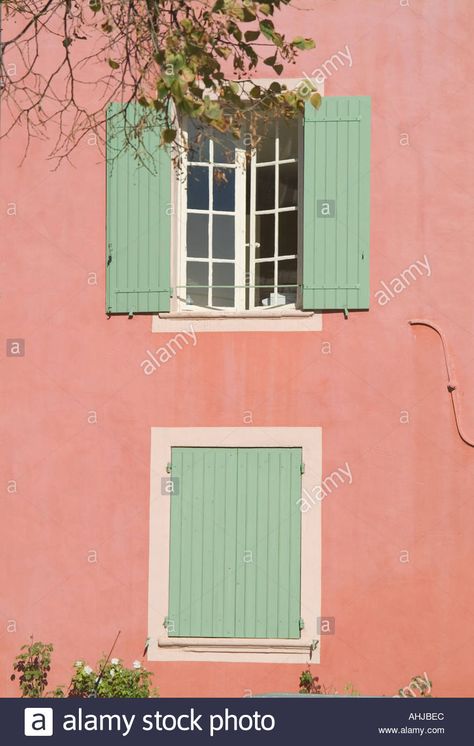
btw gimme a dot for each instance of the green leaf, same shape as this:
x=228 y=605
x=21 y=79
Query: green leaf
x=224 y=52
x=265 y=8
x=212 y=110
x=278 y=69
x=316 y=99
x=168 y=135
x=301 y=42
x=256 y=92
x=187 y=25
x=114 y=65
x=248 y=15
x=267 y=28
x=251 y=35
x=270 y=60
x=187 y=74
x=95 y=5
x=67 y=42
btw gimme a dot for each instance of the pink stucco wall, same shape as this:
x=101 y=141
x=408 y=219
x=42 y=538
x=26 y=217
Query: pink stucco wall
x=84 y=486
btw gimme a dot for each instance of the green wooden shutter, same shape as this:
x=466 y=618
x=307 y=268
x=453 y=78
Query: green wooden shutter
x=138 y=222
x=336 y=204
x=235 y=543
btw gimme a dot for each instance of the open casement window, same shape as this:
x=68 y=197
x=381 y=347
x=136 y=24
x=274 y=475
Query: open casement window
x=239 y=229
x=235 y=543
x=283 y=225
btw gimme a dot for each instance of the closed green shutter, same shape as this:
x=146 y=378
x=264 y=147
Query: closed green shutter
x=336 y=204
x=235 y=544
x=138 y=221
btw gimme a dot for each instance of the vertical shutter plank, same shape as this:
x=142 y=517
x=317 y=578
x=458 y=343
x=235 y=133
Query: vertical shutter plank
x=229 y=456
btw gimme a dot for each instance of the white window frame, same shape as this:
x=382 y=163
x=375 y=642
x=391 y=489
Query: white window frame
x=161 y=647
x=271 y=318
x=239 y=234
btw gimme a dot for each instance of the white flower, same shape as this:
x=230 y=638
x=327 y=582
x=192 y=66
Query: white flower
x=78 y=664
x=115 y=661
x=136 y=664
x=112 y=672
x=87 y=669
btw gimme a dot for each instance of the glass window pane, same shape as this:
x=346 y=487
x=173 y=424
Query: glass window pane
x=223 y=237
x=197 y=274
x=224 y=189
x=287 y=232
x=288 y=175
x=197 y=237
x=198 y=142
x=198 y=188
x=223 y=274
x=266 y=146
x=265 y=236
x=224 y=148
x=287 y=276
x=266 y=188
x=264 y=275
x=288 y=138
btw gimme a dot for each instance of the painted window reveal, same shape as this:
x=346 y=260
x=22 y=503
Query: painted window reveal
x=241 y=246
x=235 y=543
x=240 y=233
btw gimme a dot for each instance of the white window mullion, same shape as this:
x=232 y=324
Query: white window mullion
x=253 y=222
x=239 y=230
x=211 y=219
x=277 y=200
x=182 y=291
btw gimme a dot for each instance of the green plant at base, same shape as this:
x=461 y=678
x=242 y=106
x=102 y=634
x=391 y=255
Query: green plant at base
x=309 y=683
x=32 y=667
x=111 y=679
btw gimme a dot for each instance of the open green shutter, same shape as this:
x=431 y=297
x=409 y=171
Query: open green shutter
x=138 y=221
x=336 y=204
x=235 y=543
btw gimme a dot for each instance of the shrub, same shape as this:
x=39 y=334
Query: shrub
x=111 y=678
x=32 y=666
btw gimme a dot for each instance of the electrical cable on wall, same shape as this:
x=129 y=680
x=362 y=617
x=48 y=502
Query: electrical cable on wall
x=452 y=388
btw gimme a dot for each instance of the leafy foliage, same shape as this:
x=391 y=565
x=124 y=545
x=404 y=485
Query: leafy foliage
x=174 y=58
x=110 y=678
x=309 y=684
x=32 y=666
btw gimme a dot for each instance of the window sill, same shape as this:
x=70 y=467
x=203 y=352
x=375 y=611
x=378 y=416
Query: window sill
x=239 y=645
x=241 y=321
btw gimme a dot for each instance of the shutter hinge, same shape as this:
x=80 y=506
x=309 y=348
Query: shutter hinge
x=166 y=622
x=302 y=468
x=346 y=313
x=301 y=623
x=169 y=467
x=130 y=313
